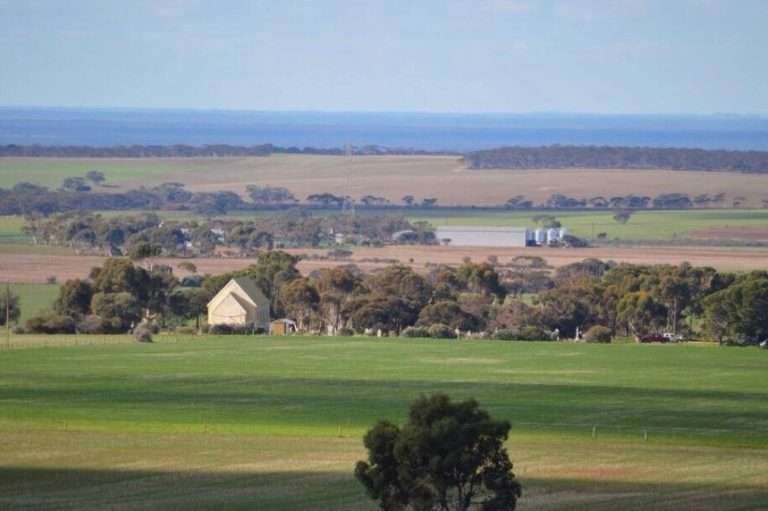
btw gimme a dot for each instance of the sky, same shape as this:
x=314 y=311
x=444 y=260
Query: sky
x=596 y=56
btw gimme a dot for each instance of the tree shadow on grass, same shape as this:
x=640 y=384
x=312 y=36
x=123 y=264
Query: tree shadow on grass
x=741 y=416
x=32 y=488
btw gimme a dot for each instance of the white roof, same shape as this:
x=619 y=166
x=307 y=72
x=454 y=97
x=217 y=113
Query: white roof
x=481 y=228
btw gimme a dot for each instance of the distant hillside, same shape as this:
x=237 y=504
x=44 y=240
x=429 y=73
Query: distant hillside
x=605 y=157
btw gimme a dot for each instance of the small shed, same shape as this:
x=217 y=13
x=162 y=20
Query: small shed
x=282 y=327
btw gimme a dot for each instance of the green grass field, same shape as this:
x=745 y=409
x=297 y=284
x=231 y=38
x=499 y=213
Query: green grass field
x=11 y=229
x=51 y=172
x=642 y=226
x=34 y=298
x=275 y=423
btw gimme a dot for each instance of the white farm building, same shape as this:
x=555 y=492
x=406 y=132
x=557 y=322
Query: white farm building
x=485 y=236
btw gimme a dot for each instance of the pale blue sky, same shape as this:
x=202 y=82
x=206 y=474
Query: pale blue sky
x=607 y=56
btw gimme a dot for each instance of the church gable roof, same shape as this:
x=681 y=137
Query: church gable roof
x=244 y=289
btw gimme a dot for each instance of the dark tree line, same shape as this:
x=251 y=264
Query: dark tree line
x=668 y=200
x=86 y=194
x=189 y=151
x=610 y=157
x=78 y=194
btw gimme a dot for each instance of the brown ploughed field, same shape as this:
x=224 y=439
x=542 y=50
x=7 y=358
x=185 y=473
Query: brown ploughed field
x=36 y=268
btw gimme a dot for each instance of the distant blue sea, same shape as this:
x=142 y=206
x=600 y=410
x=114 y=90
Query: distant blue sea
x=450 y=132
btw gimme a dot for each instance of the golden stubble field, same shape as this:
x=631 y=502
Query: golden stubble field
x=20 y=266
x=443 y=177
x=447 y=179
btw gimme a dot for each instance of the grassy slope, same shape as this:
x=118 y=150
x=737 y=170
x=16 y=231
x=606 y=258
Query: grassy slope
x=238 y=419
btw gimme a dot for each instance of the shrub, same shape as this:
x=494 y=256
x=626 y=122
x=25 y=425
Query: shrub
x=91 y=324
x=441 y=331
x=598 y=333
x=143 y=333
x=192 y=281
x=415 y=331
x=507 y=334
x=230 y=329
x=533 y=333
x=526 y=333
x=221 y=329
x=51 y=323
x=346 y=332
x=186 y=330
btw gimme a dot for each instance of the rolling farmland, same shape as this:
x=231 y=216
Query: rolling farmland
x=233 y=421
x=443 y=177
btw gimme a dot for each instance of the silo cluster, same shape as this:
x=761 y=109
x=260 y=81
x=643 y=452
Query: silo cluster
x=544 y=237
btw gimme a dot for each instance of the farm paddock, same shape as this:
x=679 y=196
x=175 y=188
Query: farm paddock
x=233 y=423
x=21 y=263
x=445 y=178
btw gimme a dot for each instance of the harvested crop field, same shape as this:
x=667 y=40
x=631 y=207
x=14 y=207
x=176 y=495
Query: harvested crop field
x=729 y=259
x=22 y=267
x=443 y=177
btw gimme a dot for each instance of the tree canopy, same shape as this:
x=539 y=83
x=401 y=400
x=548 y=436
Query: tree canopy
x=447 y=456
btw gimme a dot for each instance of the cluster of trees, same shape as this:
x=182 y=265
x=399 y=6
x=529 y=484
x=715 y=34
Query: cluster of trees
x=592 y=298
x=126 y=234
x=608 y=157
x=116 y=298
x=642 y=300
x=76 y=194
x=81 y=184
x=479 y=297
x=670 y=200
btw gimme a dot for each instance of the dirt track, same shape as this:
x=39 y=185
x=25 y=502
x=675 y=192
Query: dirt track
x=21 y=267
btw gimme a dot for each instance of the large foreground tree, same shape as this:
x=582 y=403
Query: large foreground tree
x=448 y=456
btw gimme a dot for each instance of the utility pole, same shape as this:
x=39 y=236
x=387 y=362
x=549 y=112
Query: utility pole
x=8 y=314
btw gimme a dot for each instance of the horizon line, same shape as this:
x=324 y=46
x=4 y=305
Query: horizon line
x=542 y=113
